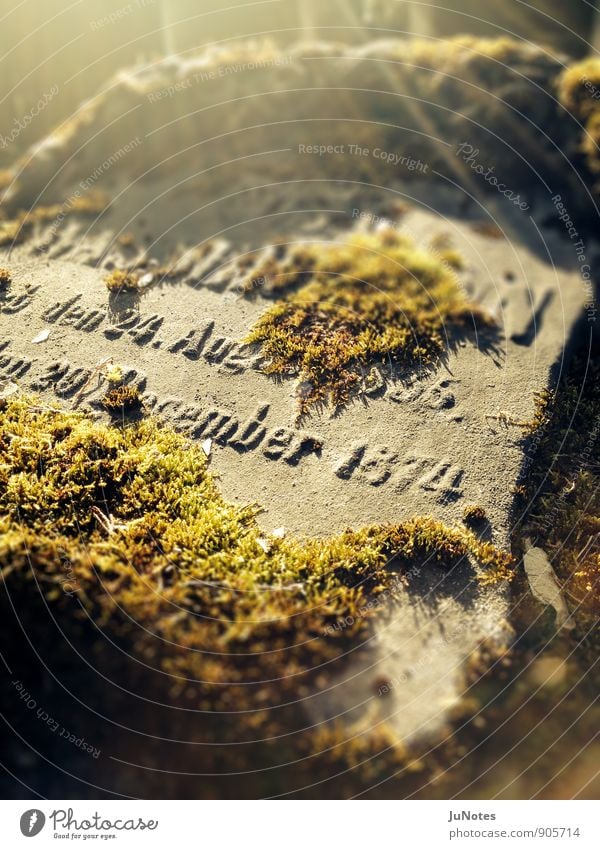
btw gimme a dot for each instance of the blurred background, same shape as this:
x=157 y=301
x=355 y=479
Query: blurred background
x=67 y=50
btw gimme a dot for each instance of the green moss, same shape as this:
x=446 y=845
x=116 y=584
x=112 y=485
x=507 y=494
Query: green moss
x=12 y=231
x=452 y=53
x=373 y=298
x=148 y=538
x=577 y=85
x=562 y=489
x=541 y=415
x=122 y=281
x=6 y=177
x=532 y=426
x=126 y=240
x=579 y=92
x=5 y=278
x=121 y=399
x=113 y=373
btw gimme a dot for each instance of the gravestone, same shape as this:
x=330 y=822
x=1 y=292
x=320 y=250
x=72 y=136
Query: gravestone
x=410 y=443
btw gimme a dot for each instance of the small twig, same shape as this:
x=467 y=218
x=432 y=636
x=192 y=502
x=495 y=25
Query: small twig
x=96 y=372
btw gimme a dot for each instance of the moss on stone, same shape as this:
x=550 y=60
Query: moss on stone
x=590 y=144
x=122 y=281
x=578 y=86
x=121 y=399
x=152 y=547
x=5 y=278
x=347 y=305
x=579 y=92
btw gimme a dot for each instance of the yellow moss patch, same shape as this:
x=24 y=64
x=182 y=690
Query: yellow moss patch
x=467 y=53
x=579 y=92
x=5 y=278
x=474 y=515
x=372 y=298
x=122 y=281
x=578 y=85
x=121 y=399
x=590 y=143
x=126 y=240
x=11 y=231
x=148 y=539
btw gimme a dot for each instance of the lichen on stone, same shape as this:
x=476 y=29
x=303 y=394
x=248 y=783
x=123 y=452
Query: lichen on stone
x=122 y=281
x=5 y=278
x=579 y=92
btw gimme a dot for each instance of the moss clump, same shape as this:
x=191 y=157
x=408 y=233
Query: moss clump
x=90 y=204
x=372 y=298
x=149 y=540
x=542 y=412
x=113 y=373
x=590 y=144
x=5 y=278
x=532 y=426
x=121 y=399
x=474 y=515
x=122 y=281
x=579 y=92
x=578 y=87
